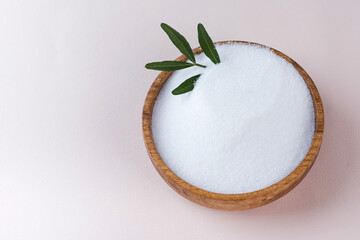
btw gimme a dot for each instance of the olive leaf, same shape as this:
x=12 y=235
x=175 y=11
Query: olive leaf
x=207 y=44
x=179 y=41
x=185 y=86
x=168 y=66
x=182 y=44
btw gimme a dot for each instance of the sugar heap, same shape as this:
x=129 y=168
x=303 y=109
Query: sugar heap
x=247 y=124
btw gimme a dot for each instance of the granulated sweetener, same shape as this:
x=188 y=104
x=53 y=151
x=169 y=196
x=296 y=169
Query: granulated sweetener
x=247 y=124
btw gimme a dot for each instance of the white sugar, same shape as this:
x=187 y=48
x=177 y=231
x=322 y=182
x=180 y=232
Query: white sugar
x=247 y=124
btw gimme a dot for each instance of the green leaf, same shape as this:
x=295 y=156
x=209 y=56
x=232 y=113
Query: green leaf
x=168 y=66
x=179 y=41
x=207 y=44
x=186 y=86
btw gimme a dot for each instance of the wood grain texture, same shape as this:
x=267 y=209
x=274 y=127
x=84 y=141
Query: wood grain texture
x=233 y=201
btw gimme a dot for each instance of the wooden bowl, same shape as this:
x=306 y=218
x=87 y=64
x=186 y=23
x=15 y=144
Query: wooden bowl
x=233 y=201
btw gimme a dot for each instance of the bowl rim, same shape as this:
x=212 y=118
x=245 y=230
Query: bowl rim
x=241 y=200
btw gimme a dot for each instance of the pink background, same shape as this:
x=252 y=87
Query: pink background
x=72 y=84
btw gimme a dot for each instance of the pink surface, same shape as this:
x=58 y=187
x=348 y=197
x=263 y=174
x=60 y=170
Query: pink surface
x=72 y=84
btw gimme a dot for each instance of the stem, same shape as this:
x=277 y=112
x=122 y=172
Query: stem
x=199 y=65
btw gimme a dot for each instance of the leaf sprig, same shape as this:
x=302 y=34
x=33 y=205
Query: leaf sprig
x=183 y=45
